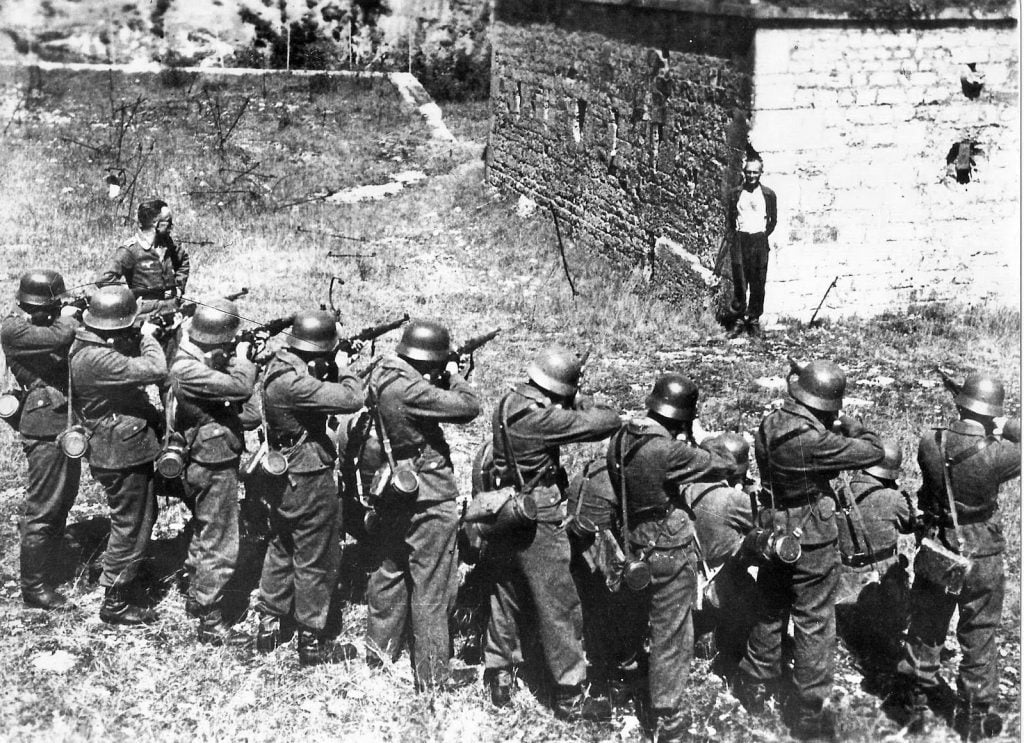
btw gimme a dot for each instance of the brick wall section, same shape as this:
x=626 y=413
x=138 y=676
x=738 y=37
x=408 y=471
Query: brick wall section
x=855 y=124
x=630 y=135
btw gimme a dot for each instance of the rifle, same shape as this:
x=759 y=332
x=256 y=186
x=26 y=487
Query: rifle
x=948 y=382
x=818 y=308
x=372 y=333
x=470 y=346
x=170 y=320
x=259 y=335
x=188 y=306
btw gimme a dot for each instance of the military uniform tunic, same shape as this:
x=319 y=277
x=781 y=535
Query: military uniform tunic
x=654 y=467
x=156 y=273
x=532 y=565
x=990 y=461
x=38 y=357
x=209 y=407
x=109 y=391
x=415 y=578
x=300 y=569
x=798 y=457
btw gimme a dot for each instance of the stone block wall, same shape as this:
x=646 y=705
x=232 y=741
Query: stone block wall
x=855 y=124
x=628 y=121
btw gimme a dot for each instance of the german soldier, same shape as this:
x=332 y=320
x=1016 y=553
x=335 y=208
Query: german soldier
x=301 y=386
x=36 y=338
x=153 y=266
x=211 y=378
x=872 y=606
x=533 y=562
x=110 y=368
x=965 y=463
x=414 y=582
x=648 y=466
x=798 y=454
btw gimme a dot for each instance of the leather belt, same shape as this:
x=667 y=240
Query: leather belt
x=861 y=560
x=284 y=440
x=153 y=293
x=653 y=513
x=407 y=452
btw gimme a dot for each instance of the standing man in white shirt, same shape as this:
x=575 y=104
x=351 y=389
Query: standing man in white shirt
x=752 y=218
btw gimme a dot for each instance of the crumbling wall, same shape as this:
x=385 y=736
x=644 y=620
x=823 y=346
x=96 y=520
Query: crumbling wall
x=856 y=124
x=627 y=120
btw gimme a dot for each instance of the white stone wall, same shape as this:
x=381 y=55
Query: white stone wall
x=854 y=125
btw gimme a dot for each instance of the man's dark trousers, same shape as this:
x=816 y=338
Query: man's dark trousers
x=534 y=569
x=981 y=607
x=805 y=590
x=213 y=550
x=749 y=271
x=132 y=514
x=416 y=574
x=300 y=570
x=51 y=489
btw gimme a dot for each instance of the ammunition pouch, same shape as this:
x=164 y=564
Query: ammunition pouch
x=941 y=566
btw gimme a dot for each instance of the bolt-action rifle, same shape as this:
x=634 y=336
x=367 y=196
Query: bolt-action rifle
x=948 y=382
x=171 y=319
x=259 y=336
x=470 y=347
x=353 y=343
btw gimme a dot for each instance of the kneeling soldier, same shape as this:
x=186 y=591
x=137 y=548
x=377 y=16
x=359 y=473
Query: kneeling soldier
x=36 y=338
x=301 y=386
x=647 y=466
x=210 y=379
x=110 y=370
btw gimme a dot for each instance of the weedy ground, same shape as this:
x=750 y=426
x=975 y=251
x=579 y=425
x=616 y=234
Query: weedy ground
x=246 y=165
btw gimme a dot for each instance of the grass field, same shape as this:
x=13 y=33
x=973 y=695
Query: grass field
x=450 y=248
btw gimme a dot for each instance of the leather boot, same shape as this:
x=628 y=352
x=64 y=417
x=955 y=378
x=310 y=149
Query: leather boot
x=314 y=649
x=193 y=608
x=752 y=694
x=117 y=609
x=214 y=630
x=272 y=632
x=813 y=723
x=974 y=722
x=36 y=591
x=43 y=597
x=573 y=703
x=500 y=685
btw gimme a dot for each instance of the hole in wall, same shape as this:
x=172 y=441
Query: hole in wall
x=517 y=98
x=972 y=80
x=962 y=160
x=579 y=120
x=657 y=133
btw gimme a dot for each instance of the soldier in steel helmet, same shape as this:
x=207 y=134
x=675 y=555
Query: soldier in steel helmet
x=965 y=463
x=872 y=606
x=532 y=563
x=36 y=337
x=412 y=588
x=153 y=266
x=111 y=366
x=800 y=448
x=211 y=378
x=648 y=465
x=301 y=386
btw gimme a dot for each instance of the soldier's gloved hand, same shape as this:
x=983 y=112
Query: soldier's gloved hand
x=850 y=426
x=70 y=310
x=243 y=349
x=150 y=329
x=1011 y=430
x=465 y=364
x=451 y=369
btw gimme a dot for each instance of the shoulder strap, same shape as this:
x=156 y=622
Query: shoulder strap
x=620 y=460
x=947 y=479
x=849 y=503
x=702 y=493
x=385 y=441
x=510 y=454
x=978 y=448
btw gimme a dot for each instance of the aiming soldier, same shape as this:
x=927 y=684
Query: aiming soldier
x=962 y=466
x=415 y=578
x=648 y=465
x=36 y=337
x=211 y=378
x=798 y=454
x=153 y=266
x=532 y=563
x=301 y=387
x=110 y=367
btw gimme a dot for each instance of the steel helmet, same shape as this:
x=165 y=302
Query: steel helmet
x=889 y=467
x=425 y=340
x=674 y=396
x=819 y=385
x=313 y=331
x=732 y=446
x=111 y=308
x=214 y=323
x=557 y=371
x=41 y=287
x=982 y=394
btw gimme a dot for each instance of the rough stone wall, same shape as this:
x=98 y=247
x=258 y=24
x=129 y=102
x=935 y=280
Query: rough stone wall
x=855 y=125
x=627 y=120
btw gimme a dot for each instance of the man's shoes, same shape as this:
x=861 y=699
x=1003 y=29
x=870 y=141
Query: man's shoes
x=272 y=631
x=315 y=650
x=214 y=630
x=500 y=684
x=43 y=597
x=976 y=722
x=117 y=609
x=573 y=703
x=753 y=695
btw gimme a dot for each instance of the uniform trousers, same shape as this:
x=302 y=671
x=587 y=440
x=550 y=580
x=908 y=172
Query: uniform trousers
x=50 y=492
x=300 y=570
x=133 y=510
x=413 y=585
x=212 y=494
